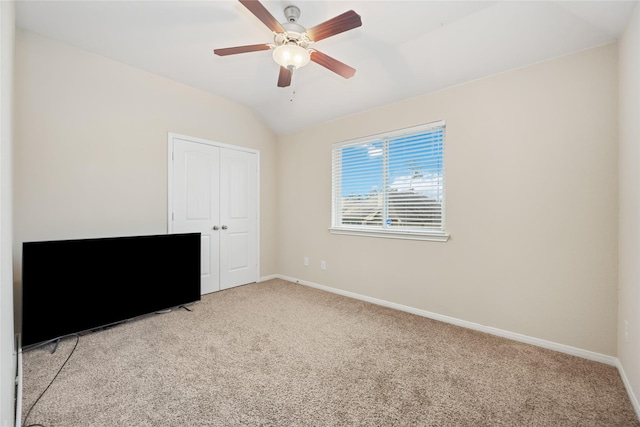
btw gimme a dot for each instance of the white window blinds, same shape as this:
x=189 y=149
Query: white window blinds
x=391 y=183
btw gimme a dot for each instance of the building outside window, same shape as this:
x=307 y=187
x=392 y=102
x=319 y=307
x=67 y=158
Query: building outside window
x=391 y=185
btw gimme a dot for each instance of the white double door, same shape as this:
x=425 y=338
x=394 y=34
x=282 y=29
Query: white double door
x=215 y=193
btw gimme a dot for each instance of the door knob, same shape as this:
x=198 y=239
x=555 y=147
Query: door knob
x=215 y=228
x=224 y=227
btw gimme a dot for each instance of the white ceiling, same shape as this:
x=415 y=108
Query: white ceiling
x=402 y=50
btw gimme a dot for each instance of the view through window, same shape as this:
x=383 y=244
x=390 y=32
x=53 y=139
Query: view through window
x=391 y=183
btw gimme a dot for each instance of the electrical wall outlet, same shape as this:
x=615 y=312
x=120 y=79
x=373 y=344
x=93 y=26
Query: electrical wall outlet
x=323 y=265
x=306 y=261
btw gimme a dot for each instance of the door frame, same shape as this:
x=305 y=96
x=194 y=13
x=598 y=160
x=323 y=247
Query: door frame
x=170 y=137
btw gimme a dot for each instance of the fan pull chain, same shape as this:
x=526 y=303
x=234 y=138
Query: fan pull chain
x=293 y=84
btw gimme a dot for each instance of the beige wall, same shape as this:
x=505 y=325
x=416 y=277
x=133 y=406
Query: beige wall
x=629 y=181
x=7 y=348
x=91 y=145
x=531 y=205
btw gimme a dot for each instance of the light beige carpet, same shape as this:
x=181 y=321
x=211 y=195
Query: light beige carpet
x=281 y=354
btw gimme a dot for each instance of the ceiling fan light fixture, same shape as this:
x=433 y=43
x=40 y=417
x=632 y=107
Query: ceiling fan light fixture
x=291 y=55
x=291 y=41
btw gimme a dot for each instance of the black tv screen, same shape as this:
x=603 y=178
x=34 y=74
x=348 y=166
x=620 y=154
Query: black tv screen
x=71 y=286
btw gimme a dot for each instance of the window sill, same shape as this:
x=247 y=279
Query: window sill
x=433 y=236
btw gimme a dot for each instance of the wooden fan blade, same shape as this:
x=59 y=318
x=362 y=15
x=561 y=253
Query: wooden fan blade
x=263 y=15
x=341 y=23
x=332 y=64
x=284 y=79
x=241 y=49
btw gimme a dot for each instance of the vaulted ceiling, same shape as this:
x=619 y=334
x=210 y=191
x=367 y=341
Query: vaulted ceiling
x=403 y=48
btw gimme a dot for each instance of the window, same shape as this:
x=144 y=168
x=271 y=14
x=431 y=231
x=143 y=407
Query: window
x=391 y=185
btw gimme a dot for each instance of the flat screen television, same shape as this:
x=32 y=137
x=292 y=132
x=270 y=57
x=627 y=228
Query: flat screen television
x=72 y=286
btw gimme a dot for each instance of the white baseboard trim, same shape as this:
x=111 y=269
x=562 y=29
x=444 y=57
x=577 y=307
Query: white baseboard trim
x=627 y=385
x=18 y=421
x=585 y=354
x=265 y=278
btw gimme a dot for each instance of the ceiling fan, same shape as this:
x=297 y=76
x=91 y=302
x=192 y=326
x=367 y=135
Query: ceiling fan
x=292 y=42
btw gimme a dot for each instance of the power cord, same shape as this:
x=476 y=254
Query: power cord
x=24 y=422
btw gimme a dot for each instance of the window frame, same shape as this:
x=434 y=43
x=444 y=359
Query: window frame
x=434 y=234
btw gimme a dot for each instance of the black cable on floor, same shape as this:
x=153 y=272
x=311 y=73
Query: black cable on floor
x=45 y=390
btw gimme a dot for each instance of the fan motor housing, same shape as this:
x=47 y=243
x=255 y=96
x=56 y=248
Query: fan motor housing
x=292 y=36
x=292 y=13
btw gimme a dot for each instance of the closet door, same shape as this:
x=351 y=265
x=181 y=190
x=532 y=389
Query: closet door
x=196 y=195
x=214 y=191
x=238 y=216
